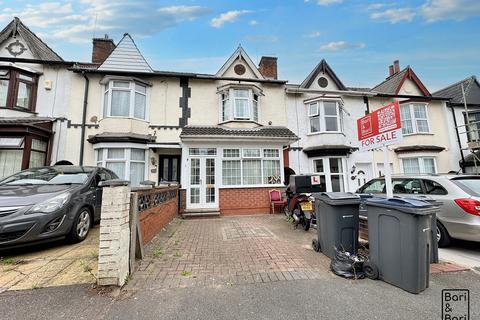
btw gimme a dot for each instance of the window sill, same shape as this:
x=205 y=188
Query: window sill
x=128 y=118
x=241 y=121
x=19 y=109
x=325 y=132
x=418 y=134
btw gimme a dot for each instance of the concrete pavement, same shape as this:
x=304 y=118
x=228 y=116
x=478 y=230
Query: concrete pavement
x=330 y=298
x=465 y=253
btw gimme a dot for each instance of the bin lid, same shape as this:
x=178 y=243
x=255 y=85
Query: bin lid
x=408 y=205
x=338 y=198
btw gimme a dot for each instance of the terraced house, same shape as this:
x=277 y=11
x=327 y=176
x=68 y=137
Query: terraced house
x=34 y=101
x=220 y=135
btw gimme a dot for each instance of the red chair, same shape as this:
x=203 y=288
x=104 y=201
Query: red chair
x=276 y=200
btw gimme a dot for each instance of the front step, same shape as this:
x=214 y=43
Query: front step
x=201 y=213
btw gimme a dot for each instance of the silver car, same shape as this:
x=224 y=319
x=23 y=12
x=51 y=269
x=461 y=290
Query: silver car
x=459 y=215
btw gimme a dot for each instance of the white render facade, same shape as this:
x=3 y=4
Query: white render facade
x=323 y=113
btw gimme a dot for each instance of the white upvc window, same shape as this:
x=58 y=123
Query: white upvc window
x=414 y=118
x=416 y=165
x=239 y=104
x=251 y=167
x=127 y=99
x=332 y=173
x=127 y=163
x=324 y=116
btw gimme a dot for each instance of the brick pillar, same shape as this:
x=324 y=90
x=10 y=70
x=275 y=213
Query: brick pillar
x=114 y=252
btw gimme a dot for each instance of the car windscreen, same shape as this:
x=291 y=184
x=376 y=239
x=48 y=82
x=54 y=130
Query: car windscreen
x=46 y=176
x=470 y=185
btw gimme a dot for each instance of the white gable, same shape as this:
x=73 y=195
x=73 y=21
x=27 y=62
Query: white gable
x=126 y=57
x=16 y=47
x=330 y=83
x=410 y=88
x=239 y=57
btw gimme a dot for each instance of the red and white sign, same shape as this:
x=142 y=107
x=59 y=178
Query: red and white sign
x=315 y=180
x=380 y=128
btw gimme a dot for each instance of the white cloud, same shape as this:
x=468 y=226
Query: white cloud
x=377 y=6
x=394 y=15
x=253 y=22
x=314 y=34
x=77 y=22
x=229 y=16
x=341 y=45
x=435 y=10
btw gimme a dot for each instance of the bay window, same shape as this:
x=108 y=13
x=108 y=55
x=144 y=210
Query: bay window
x=127 y=163
x=414 y=117
x=251 y=166
x=331 y=172
x=125 y=99
x=17 y=89
x=419 y=165
x=239 y=104
x=324 y=116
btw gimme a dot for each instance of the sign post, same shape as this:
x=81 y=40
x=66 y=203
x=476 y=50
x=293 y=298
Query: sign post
x=379 y=129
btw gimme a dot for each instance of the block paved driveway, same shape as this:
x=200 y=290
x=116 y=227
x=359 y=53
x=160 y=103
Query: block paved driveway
x=228 y=251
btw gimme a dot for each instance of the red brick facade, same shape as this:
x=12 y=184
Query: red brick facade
x=153 y=220
x=245 y=201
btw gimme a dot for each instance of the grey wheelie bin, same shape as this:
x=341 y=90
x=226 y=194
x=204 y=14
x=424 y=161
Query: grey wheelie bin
x=337 y=220
x=399 y=234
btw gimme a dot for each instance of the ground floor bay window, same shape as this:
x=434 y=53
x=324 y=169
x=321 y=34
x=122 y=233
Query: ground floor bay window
x=332 y=173
x=21 y=152
x=127 y=163
x=416 y=165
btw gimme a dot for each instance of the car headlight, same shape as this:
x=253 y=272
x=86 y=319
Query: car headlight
x=50 y=205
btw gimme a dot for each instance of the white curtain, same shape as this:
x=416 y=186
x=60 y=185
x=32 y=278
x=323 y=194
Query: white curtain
x=3 y=92
x=10 y=162
x=118 y=168
x=271 y=172
x=140 y=102
x=120 y=103
x=252 y=171
x=37 y=159
x=137 y=173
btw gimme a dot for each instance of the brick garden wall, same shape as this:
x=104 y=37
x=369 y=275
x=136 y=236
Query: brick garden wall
x=154 y=219
x=245 y=201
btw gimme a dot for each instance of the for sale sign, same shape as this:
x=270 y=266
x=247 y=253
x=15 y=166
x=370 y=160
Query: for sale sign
x=380 y=128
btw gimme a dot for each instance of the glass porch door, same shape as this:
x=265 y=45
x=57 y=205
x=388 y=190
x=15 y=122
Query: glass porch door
x=202 y=192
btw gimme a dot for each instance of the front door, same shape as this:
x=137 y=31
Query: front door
x=202 y=192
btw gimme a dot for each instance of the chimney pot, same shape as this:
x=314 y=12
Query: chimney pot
x=102 y=47
x=268 y=67
x=390 y=70
x=396 y=66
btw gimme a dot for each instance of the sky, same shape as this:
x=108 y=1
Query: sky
x=439 y=39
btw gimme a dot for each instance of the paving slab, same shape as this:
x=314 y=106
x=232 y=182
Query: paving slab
x=50 y=264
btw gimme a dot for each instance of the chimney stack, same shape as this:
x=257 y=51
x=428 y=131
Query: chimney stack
x=390 y=70
x=396 y=66
x=102 y=47
x=268 y=67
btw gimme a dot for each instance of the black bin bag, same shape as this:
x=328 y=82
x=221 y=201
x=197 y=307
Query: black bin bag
x=347 y=265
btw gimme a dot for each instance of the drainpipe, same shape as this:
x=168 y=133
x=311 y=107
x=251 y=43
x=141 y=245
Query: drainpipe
x=84 y=118
x=458 y=137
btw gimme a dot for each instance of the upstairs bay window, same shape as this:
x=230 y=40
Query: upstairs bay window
x=414 y=118
x=251 y=166
x=125 y=99
x=17 y=89
x=239 y=104
x=324 y=116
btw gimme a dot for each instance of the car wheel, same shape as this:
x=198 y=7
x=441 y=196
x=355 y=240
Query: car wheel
x=443 y=238
x=81 y=225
